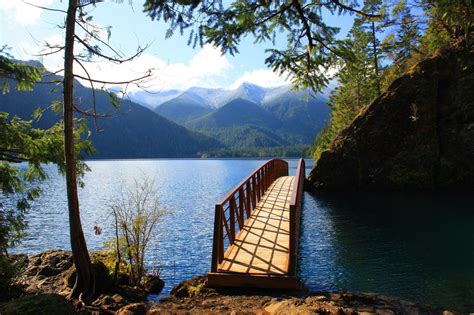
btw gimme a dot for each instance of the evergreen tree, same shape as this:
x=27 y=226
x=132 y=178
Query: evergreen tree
x=403 y=42
x=20 y=142
x=312 y=48
x=359 y=79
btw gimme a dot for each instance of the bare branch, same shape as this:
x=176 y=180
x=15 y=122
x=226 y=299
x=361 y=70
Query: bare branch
x=147 y=75
x=351 y=9
x=116 y=60
x=93 y=94
x=45 y=8
x=99 y=39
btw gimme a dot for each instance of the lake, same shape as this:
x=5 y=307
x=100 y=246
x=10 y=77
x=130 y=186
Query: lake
x=417 y=246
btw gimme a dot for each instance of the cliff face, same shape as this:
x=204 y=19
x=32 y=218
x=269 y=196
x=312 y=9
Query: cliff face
x=418 y=135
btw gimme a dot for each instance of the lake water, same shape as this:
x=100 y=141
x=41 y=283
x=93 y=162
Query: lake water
x=416 y=246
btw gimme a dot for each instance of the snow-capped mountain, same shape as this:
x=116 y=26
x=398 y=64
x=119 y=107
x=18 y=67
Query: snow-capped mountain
x=211 y=97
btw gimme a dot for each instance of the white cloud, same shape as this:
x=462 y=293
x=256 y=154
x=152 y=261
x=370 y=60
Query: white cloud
x=204 y=69
x=24 y=13
x=261 y=77
x=209 y=61
x=207 y=68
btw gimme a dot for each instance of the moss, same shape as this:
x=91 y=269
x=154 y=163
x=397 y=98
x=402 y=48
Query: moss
x=191 y=288
x=417 y=135
x=50 y=304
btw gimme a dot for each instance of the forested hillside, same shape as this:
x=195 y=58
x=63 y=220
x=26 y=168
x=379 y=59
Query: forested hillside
x=130 y=131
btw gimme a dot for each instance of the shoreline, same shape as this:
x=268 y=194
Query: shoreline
x=45 y=279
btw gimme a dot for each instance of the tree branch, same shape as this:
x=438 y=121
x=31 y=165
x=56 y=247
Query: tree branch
x=147 y=75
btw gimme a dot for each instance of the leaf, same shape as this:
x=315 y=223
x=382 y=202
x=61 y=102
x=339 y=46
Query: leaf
x=37 y=114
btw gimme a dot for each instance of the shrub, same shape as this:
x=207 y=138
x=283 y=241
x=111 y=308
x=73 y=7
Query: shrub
x=136 y=214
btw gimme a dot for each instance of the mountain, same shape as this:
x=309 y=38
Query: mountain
x=153 y=99
x=240 y=123
x=260 y=116
x=183 y=108
x=238 y=112
x=132 y=131
x=249 y=92
x=301 y=115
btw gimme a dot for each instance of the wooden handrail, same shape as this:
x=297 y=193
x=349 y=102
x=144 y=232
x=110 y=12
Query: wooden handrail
x=295 y=216
x=235 y=208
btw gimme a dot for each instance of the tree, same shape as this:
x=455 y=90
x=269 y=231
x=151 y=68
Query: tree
x=451 y=23
x=359 y=84
x=312 y=45
x=403 y=42
x=88 y=38
x=20 y=142
x=136 y=214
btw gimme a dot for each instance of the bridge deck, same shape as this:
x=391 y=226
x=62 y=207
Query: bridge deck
x=256 y=230
x=262 y=246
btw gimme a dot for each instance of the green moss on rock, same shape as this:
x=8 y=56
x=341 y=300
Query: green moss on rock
x=418 y=135
x=48 y=304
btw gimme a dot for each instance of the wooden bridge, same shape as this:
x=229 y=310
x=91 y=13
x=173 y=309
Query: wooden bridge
x=256 y=230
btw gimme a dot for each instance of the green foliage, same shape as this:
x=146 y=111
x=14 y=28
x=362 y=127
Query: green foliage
x=251 y=152
x=25 y=76
x=359 y=80
x=456 y=17
x=21 y=142
x=312 y=48
x=137 y=213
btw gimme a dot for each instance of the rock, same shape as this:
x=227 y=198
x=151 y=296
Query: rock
x=189 y=287
x=415 y=136
x=48 y=304
x=133 y=309
x=247 y=301
x=153 y=284
x=110 y=302
x=45 y=272
x=103 y=279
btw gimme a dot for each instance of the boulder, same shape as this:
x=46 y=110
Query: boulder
x=47 y=304
x=417 y=135
x=110 y=302
x=133 y=309
x=153 y=284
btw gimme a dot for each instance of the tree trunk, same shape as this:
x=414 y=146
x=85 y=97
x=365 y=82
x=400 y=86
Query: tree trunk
x=376 y=59
x=85 y=283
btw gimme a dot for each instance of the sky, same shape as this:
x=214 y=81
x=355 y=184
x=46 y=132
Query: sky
x=175 y=65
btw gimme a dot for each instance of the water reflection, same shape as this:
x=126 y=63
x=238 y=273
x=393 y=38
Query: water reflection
x=418 y=246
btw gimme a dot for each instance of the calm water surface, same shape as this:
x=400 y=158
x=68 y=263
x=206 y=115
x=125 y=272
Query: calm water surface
x=417 y=246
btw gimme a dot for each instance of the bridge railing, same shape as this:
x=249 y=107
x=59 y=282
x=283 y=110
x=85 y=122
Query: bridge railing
x=295 y=216
x=235 y=208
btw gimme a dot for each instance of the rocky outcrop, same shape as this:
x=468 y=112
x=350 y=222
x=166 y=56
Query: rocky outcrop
x=53 y=272
x=46 y=272
x=51 y=304
x=194 y=297
x=418 y=135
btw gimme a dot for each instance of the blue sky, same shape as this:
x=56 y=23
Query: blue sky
x=176 y=65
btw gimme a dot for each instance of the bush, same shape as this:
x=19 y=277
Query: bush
x=136 y=215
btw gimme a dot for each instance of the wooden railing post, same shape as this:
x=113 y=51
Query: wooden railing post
x=241 y=207
x=232 y=220
x=248 y=200
x=218 y=242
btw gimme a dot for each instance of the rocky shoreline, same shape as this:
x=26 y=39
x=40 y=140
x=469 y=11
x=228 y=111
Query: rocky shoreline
x=46 y=280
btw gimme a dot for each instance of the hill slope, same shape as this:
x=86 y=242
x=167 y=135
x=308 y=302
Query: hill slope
x=182 y=109
x=133 y=131
x=417 y=135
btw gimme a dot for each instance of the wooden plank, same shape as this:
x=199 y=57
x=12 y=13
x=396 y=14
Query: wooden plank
x=258 y=281
x=262 y=246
